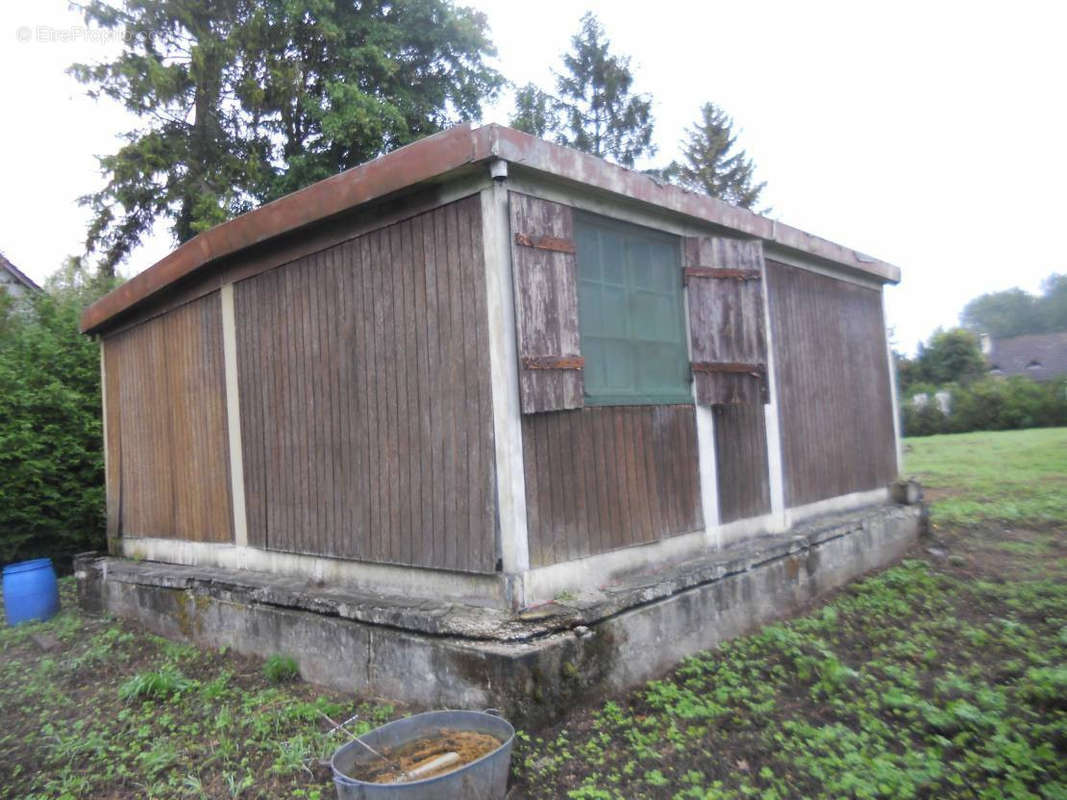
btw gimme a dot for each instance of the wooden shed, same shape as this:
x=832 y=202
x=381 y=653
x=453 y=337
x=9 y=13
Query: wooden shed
x=492 y=368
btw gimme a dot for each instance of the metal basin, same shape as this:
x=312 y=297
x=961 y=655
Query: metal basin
x=483 y=779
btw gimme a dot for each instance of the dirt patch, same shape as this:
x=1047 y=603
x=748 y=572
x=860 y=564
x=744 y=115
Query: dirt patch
x=932 y=495
x=429 y=757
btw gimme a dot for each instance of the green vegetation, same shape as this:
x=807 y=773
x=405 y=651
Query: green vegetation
x=110 y=711
x=915 y=683
x=711 y=164
x=952 y=361
x=279 y=669
x=242 y=101
x=988 y=404
x=1017 y=477
x=1015 y=312
x=594 y=108
x=944 y=676
x=51 y=457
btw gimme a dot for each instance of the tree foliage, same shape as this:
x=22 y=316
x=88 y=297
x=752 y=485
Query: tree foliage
x=1014 y=312
x=535 y=111
x=952 y=356
x=712 y=165
x=51 y=459
x=244 y=100
x=594 y=109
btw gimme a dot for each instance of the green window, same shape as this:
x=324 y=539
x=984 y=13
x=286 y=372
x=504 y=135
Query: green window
x=630 y=314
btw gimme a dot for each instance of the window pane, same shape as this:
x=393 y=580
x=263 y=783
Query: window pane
x=630 y=314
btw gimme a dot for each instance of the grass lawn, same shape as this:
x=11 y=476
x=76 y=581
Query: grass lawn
x=944 y=676
x=1009 y=476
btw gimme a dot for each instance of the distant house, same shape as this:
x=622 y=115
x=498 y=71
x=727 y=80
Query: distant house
x=1041 y=356
x=13 y=280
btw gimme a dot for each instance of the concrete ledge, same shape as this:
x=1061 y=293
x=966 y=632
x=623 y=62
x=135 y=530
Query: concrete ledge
x=532 y=662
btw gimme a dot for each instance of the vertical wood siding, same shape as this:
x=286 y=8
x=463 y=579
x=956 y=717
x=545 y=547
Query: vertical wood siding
x=741 y=461
x=833 y=387
x=168 y=452
x=366 y=413
x=601 y=478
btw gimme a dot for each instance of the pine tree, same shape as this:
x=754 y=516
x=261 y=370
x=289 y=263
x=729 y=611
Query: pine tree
x=711 y=165
x=243 y=100
x=594 y=108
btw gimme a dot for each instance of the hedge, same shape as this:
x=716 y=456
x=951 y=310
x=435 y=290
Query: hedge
x=989 y=404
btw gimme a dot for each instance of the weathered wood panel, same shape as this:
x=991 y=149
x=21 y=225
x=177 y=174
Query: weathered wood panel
x=366 y=412
x=728 y=342
x=606 y=477
x=168 y=451
x=546 y=304
x=833 y=388
x=741 y=461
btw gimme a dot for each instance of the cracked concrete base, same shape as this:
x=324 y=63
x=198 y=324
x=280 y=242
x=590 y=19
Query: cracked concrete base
x=532 y=663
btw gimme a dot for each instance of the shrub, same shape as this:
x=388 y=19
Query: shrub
x=51 y=456
x=990 y=404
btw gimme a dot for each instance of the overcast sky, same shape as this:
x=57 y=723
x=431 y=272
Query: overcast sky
x=932 y=135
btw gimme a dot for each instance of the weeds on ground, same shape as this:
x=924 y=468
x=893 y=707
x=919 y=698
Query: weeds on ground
x=280 y=668
x=941 y=677
x=115 y=712
x=912 y=683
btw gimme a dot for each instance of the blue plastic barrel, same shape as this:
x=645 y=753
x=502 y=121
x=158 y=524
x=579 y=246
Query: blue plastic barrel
x=30 y=591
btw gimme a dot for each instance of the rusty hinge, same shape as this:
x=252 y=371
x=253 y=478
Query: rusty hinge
x=729 y=368
x=721 y=273
x=553 y=362
x=553 y=243
x=757 y=371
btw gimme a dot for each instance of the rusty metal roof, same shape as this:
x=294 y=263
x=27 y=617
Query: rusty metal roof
x=434 y=157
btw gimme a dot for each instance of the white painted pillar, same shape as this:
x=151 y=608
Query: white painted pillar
x=707 y=463
x=233 y=417
x=775 y=465
x=894 y=390
x=709 y=474
x=504 y=372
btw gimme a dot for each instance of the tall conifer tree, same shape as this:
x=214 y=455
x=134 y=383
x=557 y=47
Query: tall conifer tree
x=594 y=108
x=710 y=163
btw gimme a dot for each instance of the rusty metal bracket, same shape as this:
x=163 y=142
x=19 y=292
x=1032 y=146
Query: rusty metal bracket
x=730 y=368
x=553 y=362
x=552 y=243
x=721 y=274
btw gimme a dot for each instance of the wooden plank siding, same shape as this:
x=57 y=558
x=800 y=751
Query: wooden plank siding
x=168 y=452
x=545 y=274
x=366 y=408
x=728 y=343
x=834 y=397
x=602 y=478
x=741 y=461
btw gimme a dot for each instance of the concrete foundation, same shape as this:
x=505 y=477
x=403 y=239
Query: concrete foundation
x=533 y=662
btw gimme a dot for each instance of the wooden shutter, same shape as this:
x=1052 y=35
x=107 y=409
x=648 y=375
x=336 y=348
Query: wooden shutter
x=724 y=278
x=546 y=305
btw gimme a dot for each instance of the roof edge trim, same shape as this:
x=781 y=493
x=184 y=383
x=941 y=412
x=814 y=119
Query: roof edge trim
x=437 y=155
